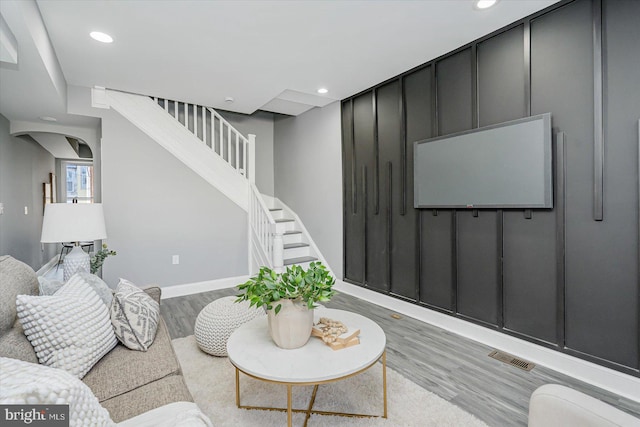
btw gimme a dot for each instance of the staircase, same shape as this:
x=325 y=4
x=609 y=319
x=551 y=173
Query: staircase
x=296 y=249
x=209 y=145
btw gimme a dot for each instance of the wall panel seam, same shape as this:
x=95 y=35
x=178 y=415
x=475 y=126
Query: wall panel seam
x=598 y=129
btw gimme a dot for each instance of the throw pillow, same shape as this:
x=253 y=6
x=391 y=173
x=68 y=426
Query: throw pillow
x=135 y=316
x=102 y=289
x=25 y=383
x=49 y=286
x=69 y=330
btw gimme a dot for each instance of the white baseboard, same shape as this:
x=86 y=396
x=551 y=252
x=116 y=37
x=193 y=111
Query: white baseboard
x=605 y=378
x=599 y=376
x=196 y=288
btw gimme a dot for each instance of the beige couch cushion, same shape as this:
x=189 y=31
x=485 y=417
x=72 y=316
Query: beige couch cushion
x=16 y=278
x=122 y=370
x=148 y=397
x=14 y=344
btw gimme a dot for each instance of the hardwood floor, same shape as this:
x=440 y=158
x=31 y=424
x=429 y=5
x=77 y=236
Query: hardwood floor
x=455 y=368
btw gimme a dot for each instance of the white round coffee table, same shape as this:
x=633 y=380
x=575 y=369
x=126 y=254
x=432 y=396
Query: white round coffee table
x=252 y=352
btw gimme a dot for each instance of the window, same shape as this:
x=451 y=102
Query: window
x=79 y=181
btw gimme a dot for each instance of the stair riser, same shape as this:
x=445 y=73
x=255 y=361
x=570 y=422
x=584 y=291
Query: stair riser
x=292 y=238
x=277 y=214
x=297 y=252
x=281 y=227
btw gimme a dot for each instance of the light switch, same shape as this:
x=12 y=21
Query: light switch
x=1 y=208
x=176 y=259
x=26 y=210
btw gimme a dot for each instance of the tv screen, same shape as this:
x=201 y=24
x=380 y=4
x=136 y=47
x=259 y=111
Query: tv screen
x=507 y=165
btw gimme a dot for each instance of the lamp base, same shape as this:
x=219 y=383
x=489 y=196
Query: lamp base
x=76 y=261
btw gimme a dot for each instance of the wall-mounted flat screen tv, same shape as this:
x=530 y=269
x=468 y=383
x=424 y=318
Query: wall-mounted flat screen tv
x=508 y=165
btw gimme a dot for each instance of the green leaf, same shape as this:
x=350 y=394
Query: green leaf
x=278 y=307
x=311 y=285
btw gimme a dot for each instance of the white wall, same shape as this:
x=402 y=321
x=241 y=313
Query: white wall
x=308 y=175
x=24 y=167
x=155 y=207
x=260 y=124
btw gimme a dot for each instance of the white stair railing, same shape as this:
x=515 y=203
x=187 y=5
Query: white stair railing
x=266 y=247
x=216 y=132
x=265 y=240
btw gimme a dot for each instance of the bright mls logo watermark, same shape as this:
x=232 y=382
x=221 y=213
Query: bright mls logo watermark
x=34 y=415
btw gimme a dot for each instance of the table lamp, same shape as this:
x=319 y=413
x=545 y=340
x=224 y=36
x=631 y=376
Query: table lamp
x=73 y=222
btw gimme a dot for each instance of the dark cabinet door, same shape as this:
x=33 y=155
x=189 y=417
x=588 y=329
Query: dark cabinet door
x=352 y=206
x=477 y=265
x=372 y=264
x=401 y=225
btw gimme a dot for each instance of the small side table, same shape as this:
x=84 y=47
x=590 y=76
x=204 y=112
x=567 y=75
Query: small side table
x=252 y=352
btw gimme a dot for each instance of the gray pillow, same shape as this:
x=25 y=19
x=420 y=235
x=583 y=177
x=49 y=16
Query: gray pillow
x=49 y=286
x=135 y=316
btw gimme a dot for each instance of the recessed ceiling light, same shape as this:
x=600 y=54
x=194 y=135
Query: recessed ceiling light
x=485 y=4
x=48 y=118
x=323 y=90
x=101 y=37
x=229 y=99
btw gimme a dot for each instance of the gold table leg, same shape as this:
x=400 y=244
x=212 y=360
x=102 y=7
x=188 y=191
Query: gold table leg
x=384 y=382
x=237 y=388
x=289 y=405
x=290 y=410
x=310 y=408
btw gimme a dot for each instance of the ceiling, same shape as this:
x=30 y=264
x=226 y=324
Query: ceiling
x=270 y=55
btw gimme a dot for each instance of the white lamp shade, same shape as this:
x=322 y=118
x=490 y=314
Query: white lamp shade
x=73 y=222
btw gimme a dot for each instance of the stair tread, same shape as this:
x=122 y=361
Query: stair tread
x=292 y=232
x=295 y=245
x=299 y=260
x=285 y=219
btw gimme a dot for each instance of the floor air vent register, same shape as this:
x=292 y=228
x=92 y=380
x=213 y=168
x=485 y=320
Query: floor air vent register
x=512 y=360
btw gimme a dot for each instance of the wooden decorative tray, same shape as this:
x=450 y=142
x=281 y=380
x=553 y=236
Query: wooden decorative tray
x=335 y=334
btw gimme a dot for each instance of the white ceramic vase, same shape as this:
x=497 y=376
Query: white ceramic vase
x=291 y=327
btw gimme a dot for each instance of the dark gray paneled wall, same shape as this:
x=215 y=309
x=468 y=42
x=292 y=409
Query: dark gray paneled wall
x=565 y=278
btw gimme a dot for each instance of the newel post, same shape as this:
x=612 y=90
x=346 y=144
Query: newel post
x=252 y=158
x=278 y=250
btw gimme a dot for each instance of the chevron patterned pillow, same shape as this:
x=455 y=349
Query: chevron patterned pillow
x=134 y=315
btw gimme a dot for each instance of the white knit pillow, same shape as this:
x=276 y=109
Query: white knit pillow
x=97 y=284
x=70 y=330
x=25 y=383
x=135 y=316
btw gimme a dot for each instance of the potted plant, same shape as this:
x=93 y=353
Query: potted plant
x=289 y=299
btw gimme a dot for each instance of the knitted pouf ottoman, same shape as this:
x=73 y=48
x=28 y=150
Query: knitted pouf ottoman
x=217 y=321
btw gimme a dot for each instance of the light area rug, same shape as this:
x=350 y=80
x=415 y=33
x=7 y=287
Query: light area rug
x=211 y=381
